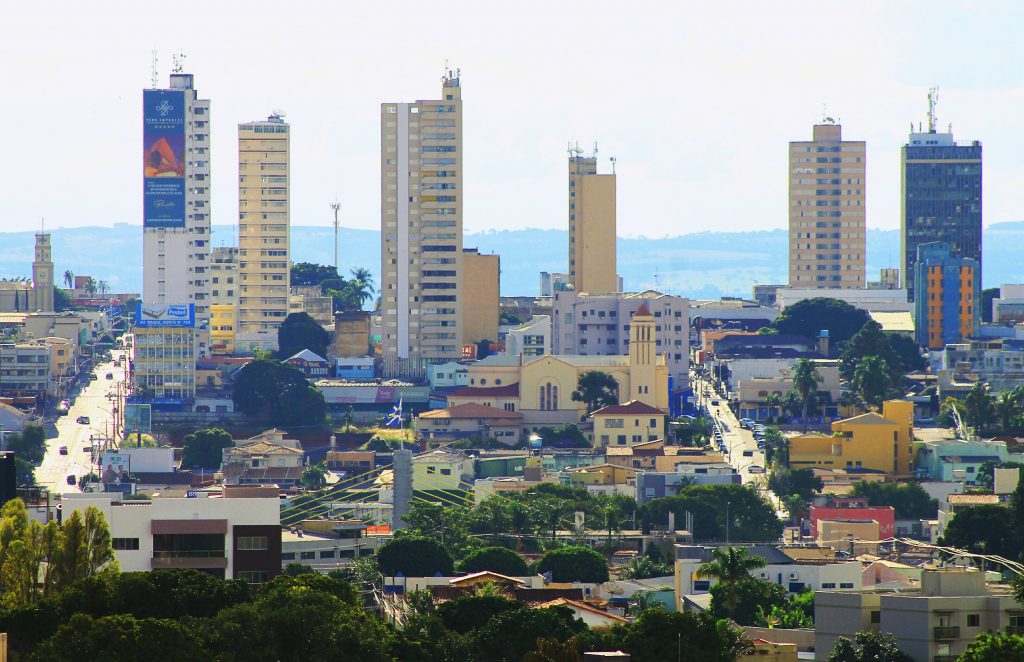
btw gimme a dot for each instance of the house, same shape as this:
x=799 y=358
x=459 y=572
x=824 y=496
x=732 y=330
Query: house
x=656 y=456
x=262 y=461
x=589 y=614
x=957 y=460
x=869 y=441
x=351 y=463
x=657 y=484
x=858 y=510
x=12 y=420
x=440 y=470
x=628 y=424
x=312 y=365
x=604 y=479
x=460 y=421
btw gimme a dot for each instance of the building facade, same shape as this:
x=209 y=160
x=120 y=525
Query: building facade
x=827 y=210
x=263 y=224
x=25 y=370
x=176 y=193
x=592 y=265
x=480 y=294
x=869 y=441
x=42 y=275
x=421 y=231
x=223 y=299
x=165 y=352
x=531 y=338
x=941 y=197
x=948 y=295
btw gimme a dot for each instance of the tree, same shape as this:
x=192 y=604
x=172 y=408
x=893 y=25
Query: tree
x=776 y=447
x=870 y=340
x=983 y=530
x=361 y=287
x=1010 y=409
x=204 y=448
x=90 y=286
x=908 y=352
x=987 y=296
x=644 y=567
x=29 y=444
x=981 y=407
x=307 y=273
x=512 y=634
x=994 y=648
x=553 y=650
x=909 y=500
x=873 y=380
x=774 y=403
x=103 y=286
x=563 y=436
x=810 y=316
x=299 y=331
x=61 y=300
x=801 y=483
x=277 y=393
x=728 y=566
x=596 y=389
x=805 y=382
x=574 y=564
x=414 y=557
x=69 y=278
x=501 y=560
x=470 y=612
x=750 y=516
x=870 y=647
x=986 y=472
x=314 y=477
x=120 y=638
x=301 y=404
x=483 y=349
x=660 y=636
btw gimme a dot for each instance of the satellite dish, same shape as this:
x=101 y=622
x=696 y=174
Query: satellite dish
x=277 y=112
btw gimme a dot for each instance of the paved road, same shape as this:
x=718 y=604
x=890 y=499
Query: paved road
x=92 y=401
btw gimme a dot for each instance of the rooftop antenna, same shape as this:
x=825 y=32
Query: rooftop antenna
x=613 y=160
x=824 y=113
x=933 y=101
x=179 y=62
x=336 y=206
x=595 y=149
x=154 y=73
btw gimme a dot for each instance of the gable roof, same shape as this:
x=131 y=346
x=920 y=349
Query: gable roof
x=505 y=390
x=457 y=581
x=261 y=447
x=870 y=418
x=471 y=410
x=631 y=408
x=582 y=606
x=307 y=355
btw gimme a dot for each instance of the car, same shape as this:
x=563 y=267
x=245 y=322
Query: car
x=71 y=479
x=110 y=375
x=714 y=403
x=755 y=469
x=63 y=450
x=83 y=420
x=746 y=423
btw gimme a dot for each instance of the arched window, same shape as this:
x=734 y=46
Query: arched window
x=543 y=400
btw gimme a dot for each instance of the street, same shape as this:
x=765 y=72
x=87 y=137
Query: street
x=93 y=402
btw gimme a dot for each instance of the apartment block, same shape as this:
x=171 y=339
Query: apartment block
x=421 y=232
x=531 y=338
x=165 y=352
x=948 y=295
x=592 y=231
x=263 y=224
x=827 y=210
x=940 y=196
x=223 y=299
x=176 y=200
x=599 y=324
x=25 y=370
x=480 y=293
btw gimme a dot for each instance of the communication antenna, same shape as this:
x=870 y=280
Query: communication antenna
x=336 y=206
x=179 y=62
x=933 y=101
x=824 y=113
x=595 y=148
x=613 y=160
x=154 y=74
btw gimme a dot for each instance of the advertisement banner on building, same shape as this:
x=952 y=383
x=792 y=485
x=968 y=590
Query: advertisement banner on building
x=138 y=417
x=468 y=352
x=114 y=468
x=150 y=316
x=163 y=144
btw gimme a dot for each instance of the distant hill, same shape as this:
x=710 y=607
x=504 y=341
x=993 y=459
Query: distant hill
x=703 y=264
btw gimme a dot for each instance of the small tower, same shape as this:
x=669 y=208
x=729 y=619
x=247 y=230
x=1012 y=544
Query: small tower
x=643 y=358
x=42 y=276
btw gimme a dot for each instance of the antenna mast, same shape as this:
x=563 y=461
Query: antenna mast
x=154 y=74
x=336 y=206
x=933 y=101
x=179 y=62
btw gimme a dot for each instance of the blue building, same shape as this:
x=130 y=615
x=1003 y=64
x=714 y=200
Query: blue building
x=941 y=194
x=948 y=296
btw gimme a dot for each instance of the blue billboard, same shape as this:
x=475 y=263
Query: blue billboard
x=157 y=316
x=163 y=158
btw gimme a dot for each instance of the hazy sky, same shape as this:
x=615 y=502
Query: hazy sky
x=696 y=100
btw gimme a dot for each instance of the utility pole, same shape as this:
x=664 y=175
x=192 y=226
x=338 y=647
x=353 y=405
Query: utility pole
x=336 y=206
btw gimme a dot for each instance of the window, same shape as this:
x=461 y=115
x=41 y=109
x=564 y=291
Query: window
x=307 y=556
x=252 y=543
x=329 y=554
x=973 y=620
x=876 y=617
x=252 y=576
x=288 y=556
x=845 y=584
x=446 y=472
x=125 y=544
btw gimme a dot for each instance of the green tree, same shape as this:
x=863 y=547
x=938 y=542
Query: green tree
x=909 y=500
x=122 y=638
x=301 y=405
x=61 y=300
x=414 y=557
x=563 y=436
x=810 y=316
x=994 y=648
x=660 y=636
x=805 y=382
x=307 y=273
x=29 y=444
x=69 y=278
x=981 y=407
x=908 y=352
x=870 y=340
x=873 y=380
x=314 y=477
x=596 y=389
x=750 y=516
x=277 y=393
x=574 y=564
x=471 y=612
x=728 y=566
x=298 y=332
x=776 y=447
x=483 y=349
x=643 y=567
x=983 y=530
x=204 y=448
x=986 y=472
x=801 y=483
x=869 y=646
x=512 y=634
x=1010 y=409
x=501 y=560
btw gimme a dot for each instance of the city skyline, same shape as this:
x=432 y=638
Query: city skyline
x=751 y=102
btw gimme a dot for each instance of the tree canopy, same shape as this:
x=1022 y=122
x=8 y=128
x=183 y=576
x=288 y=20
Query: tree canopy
x=574 y=564
x=809 y=316
x=204 y=448
x=299 y=331
x=868 y=646
x=909 y=500
x=983 y=530
x=596 y=389
x=277 y=393
x=752 y=518
x=414 y=556
x=501 y=560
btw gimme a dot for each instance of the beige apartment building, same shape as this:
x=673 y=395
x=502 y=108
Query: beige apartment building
x=592 y=265
x=827 y=219
x=421 y=232
x=480 y=293
x=223 y=299
x=263 y=224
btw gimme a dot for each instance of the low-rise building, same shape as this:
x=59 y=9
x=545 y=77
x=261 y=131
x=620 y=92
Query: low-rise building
x=957 y=460
x=628 y=424
x=655 y=484
x=656 y=456
x=312 y=365
x=884 y=300
x=531 y=338
x=25 y=370
x=855 y=510
x=263 y=460
x=869 y=441
x=469 y=419
x=357 y=369
x=447 y=375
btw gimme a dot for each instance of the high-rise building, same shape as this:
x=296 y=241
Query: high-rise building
x=263 y=225
x=948 y=295
x=176 y=201
x=827 y=210
x=42 y=275
x=941 y=196
x=421 y=231
x=223 y=299
x=480 y=293
x=592 y=266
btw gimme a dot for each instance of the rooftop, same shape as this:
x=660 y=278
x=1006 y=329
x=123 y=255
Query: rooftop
x=631 y=408
x=506 y=390
x=472 y=410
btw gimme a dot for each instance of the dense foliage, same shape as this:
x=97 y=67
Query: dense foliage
x=414 y=556
x=868 y=646
x=501 y=560
x=909 y=500
x=574 y=564
x=298 y=332
x=810 y=316
x=204 y=448
x=751 y=517
x=278 y=394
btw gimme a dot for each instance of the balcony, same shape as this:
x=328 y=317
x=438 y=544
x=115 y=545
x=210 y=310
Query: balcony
x=1015 y=629
x=946 y=632
x=945 y=658
x=196 y=558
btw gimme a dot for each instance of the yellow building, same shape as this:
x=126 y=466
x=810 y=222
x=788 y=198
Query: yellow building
x=656 y=456
x=592 y=266
x=869 y=441
x=222 y=328
x=602 y=474
x=480 y=292
x=770 y=651
x=545 y=384
x=628 y=424
x=263 y=224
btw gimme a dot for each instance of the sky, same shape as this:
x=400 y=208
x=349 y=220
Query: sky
x=697 y=101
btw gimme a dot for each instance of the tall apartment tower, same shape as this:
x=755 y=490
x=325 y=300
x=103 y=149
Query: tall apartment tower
x=948 y=307
x=827 y=219
x=592 y=266
x=176 y=200
x=421 y=231
x=42 y=276
x=263 y=225
x=941 y=195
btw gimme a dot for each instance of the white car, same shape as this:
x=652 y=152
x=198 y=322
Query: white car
x=755 y=469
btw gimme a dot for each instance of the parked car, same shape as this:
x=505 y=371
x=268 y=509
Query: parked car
x=748 y=453
x=110 y=375
x=714 y=403
x=746 y=423
x=63 y=450
x=83 y=420
x=756 y=469
x=71 y=479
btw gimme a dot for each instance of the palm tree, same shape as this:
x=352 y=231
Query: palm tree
x=774 y=403
x=314 y=476
x=103 y=287
x=69 y=278
x=805 y=382
x=1009 y=408
x=981 y=407
x=872 y=381
x=90 y=286
x=361 y=285
x=730 y=566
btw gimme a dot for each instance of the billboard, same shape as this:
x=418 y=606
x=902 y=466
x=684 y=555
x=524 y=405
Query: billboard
x=163 y=158
x=149 y=316
x=114 y=468
x=138 y=418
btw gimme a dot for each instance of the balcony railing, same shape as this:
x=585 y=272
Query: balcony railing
x=946 y=632
x=1015 y=629
x=189 y=554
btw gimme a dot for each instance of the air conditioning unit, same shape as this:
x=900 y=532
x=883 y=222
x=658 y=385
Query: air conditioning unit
x=764 y=575
x=793 y=575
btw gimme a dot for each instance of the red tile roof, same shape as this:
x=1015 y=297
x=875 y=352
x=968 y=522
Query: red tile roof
x=506 y=390
x=472 y=410
x=631 y=408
